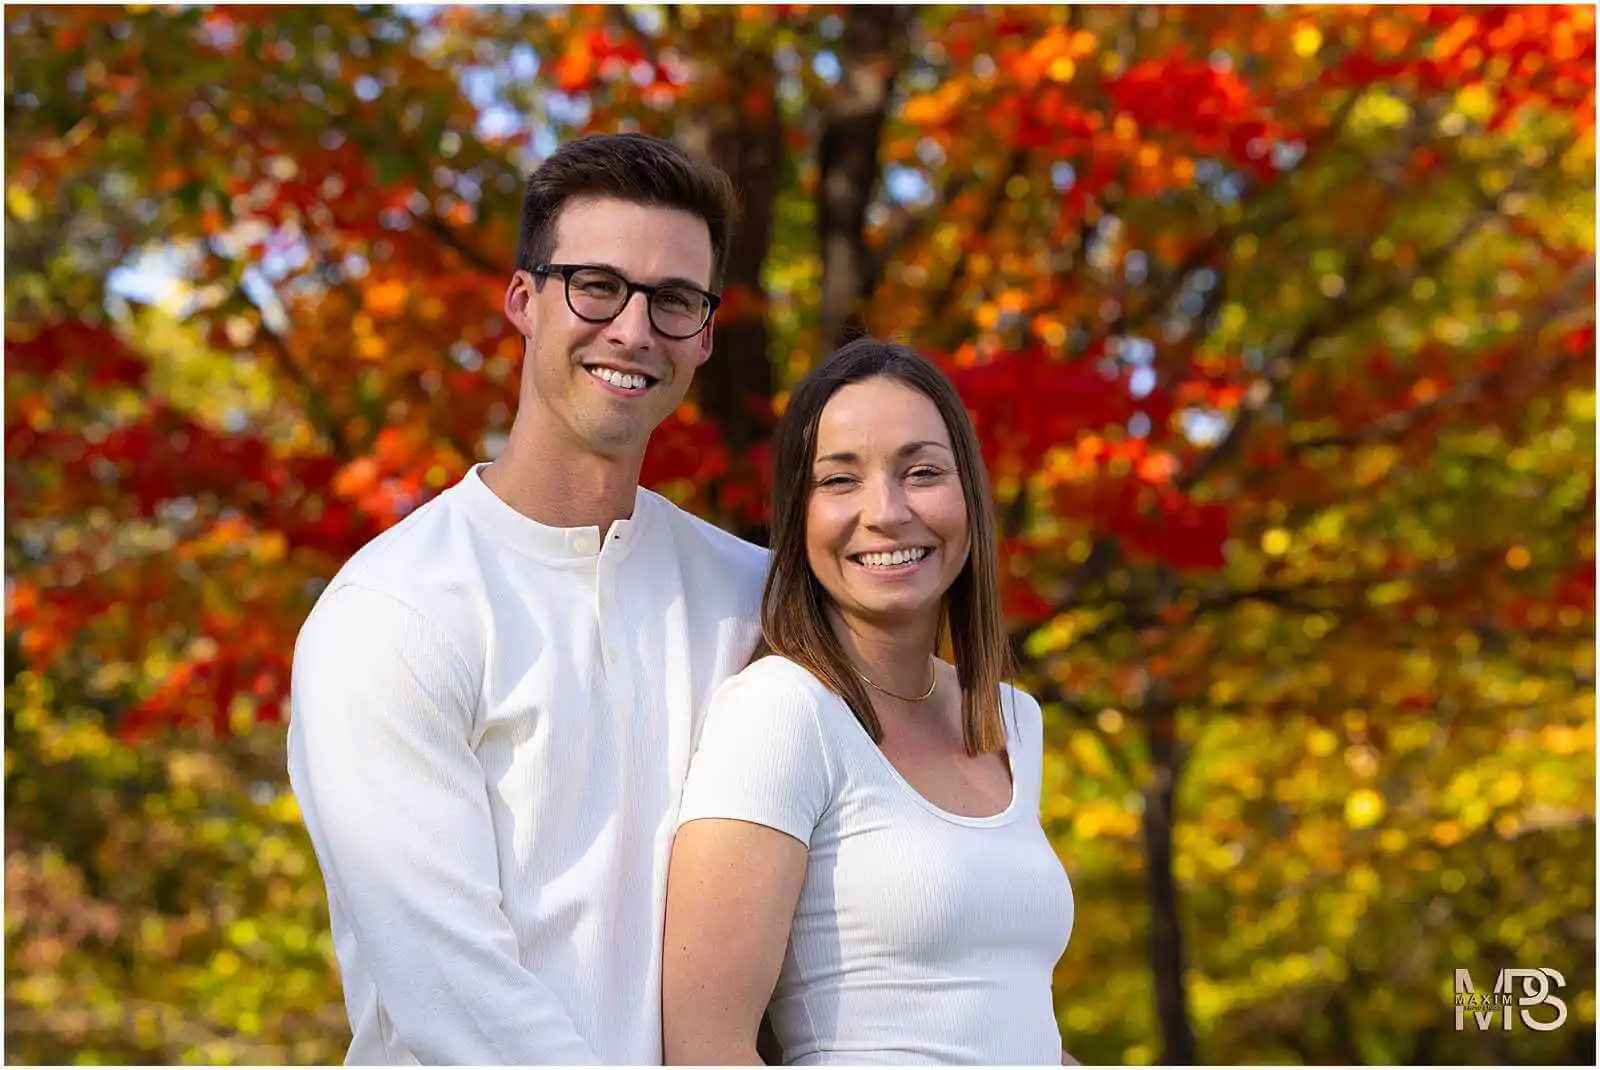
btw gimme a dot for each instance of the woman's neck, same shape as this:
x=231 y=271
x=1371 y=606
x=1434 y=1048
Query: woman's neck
x=896 y=657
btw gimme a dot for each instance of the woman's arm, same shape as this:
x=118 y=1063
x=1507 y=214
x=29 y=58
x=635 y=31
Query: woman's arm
x=731 y=894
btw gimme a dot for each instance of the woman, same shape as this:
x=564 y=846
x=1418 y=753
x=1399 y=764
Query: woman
x=859 y=841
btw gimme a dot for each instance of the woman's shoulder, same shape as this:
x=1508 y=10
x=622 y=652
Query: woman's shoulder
x=1013 y=696
x=778 y=674
x=773 y=682
x=781 y=693
x=1021 y=711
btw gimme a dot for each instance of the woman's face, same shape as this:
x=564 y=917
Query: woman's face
x=886 y=523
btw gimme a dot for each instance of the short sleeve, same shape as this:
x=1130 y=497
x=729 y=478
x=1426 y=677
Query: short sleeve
x=761 y=756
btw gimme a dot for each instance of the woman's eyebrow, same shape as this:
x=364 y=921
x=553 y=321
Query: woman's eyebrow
x=848 y=457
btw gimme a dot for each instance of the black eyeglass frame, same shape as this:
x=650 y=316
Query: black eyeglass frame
x=566 y=271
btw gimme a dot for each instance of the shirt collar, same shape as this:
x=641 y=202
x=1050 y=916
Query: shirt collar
x=526 y=534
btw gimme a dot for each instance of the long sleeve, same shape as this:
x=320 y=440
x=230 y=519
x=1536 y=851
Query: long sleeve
x=398 y=810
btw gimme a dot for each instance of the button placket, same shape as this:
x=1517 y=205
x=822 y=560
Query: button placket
x=604 y=602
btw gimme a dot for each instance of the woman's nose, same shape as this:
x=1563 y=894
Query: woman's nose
x=886 y=503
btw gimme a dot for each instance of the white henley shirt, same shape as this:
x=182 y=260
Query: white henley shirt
x=491 y=723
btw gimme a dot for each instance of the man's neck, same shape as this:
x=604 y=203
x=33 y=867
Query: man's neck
x=562 y=488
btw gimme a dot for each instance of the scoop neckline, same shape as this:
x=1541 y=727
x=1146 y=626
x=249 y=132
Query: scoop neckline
x=1004 y=817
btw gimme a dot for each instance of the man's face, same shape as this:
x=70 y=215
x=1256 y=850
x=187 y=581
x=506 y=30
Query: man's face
x=603 y=387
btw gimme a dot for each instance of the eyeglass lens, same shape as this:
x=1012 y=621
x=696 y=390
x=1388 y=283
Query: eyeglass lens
x=597 y=294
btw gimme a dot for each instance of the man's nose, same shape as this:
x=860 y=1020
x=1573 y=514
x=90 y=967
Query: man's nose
x=631 y=329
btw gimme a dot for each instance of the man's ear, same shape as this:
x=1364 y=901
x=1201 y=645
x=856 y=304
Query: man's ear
x=519 y=303
x=705 y=341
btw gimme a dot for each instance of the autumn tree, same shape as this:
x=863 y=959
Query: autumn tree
x=1235 y=299
x=1277 y=326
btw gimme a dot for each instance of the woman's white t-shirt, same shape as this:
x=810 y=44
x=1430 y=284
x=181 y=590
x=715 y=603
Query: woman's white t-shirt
x=920 y=936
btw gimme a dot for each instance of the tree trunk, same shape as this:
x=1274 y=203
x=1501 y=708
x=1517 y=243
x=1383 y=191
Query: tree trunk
x=871 y=55
x=743 y=135
x=1166 y=936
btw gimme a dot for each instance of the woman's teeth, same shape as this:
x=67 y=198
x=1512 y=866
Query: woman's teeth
x=893 y=558
x=624 y=380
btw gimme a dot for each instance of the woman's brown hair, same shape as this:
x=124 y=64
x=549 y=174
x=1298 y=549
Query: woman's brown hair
x=794 y=619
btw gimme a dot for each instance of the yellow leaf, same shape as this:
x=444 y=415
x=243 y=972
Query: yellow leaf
x=1363 y=879
x=1392 y=841
x=1307 y=41
x=1363 y=808
x=1091 y=759
x=271 y=547
x=21 y=204
x=285 y=808
x=1474 y=102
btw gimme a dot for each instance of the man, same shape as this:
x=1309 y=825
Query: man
x=494 y=701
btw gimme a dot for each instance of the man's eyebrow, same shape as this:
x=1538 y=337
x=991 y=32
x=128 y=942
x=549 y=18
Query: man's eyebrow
x=679 y=280
x=672 y=280
x=847 y=457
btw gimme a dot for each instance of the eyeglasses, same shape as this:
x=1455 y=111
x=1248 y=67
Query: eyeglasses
x=598 y=295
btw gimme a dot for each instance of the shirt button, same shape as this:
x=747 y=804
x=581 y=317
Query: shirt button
x=583 y=542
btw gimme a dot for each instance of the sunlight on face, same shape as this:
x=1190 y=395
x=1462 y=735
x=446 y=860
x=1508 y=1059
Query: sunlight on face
x=886 y=523
x=607 y=386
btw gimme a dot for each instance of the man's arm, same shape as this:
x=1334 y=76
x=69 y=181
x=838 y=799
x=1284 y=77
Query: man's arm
x=398 y=811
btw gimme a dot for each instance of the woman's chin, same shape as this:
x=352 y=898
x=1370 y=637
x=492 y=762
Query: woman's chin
x=900 y=612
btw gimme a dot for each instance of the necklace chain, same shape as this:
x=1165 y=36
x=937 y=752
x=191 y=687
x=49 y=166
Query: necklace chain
x=933 y=683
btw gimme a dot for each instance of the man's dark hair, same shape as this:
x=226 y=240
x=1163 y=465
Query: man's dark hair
x=630 y=167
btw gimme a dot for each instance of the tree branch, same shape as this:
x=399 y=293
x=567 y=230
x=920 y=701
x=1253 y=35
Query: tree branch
x=1343 y=310
x=872 y=57
x=1396 y=424
x=945 y=298
x=316 y=410
x=1050 y=692
x=474 y=257
x=907 y=228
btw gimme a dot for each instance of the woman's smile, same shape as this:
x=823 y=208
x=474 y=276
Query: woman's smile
x=893 y=563
x=886 y=523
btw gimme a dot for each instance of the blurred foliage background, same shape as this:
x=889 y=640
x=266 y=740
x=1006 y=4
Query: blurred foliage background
x=1278 y=325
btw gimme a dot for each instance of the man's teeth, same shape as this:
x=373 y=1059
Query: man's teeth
x=625 y=380
x=894 y=557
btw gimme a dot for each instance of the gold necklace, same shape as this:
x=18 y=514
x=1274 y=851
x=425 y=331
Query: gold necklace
x=920 y=698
